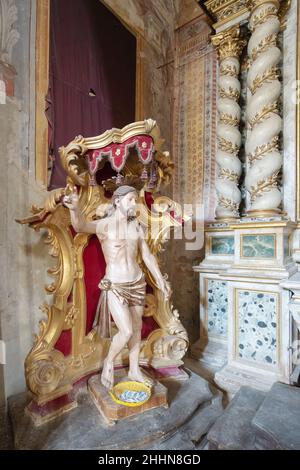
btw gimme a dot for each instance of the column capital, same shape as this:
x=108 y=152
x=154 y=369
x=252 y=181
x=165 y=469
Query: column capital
x=229 y=43
x=252 y=5
x=226 y=11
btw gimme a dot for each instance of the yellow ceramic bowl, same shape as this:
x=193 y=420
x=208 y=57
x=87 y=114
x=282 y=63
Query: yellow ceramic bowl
x=130 y=393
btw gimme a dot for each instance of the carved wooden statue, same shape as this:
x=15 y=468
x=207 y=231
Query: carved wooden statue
x=68 y=347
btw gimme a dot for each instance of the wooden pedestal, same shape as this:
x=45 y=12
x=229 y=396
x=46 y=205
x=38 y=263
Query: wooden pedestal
x=112 y=411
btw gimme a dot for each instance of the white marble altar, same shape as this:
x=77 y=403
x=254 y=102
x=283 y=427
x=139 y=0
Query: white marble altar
x=249 y=281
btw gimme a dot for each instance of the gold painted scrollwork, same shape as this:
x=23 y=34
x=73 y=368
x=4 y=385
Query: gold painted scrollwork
x=50 y=373
x=150 y=305
x=72 y=158
x=44 y=374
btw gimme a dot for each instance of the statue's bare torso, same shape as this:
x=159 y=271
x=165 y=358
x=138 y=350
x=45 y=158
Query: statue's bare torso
x=120 y=244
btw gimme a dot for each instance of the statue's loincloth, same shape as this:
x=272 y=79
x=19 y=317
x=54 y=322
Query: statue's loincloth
x=130 y=293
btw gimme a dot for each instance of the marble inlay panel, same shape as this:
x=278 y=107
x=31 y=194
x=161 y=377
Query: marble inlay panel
x=217 y=307
x=286 y=248
x=222 y=245
x=257 y=326
x=258 y=246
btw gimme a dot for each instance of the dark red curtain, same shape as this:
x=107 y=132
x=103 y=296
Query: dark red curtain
x=91 y=53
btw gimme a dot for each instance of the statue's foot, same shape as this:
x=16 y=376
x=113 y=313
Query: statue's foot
x=107 y=376
x=138 y=376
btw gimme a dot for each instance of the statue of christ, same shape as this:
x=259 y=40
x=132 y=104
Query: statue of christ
x=123 y=286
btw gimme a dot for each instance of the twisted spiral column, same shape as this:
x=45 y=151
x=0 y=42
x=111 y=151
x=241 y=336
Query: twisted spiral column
x=264 y=123
x=230 y=46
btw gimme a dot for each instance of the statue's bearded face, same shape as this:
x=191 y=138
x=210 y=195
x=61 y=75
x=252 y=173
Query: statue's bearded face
x=127 y=204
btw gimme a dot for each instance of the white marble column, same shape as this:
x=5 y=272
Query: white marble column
x=264 y=123
x=229 y=45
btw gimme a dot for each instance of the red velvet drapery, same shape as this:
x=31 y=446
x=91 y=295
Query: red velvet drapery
x=92 y=75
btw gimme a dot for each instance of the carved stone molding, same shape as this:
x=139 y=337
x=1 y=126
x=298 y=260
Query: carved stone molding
x=229 y=12
x=224 y=11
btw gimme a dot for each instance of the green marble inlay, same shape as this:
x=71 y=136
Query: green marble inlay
x=258 y=246
x=222 y=245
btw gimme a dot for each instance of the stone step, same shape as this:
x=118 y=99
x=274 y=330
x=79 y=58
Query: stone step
x=84 y=428
x=277 y=422
x=192 y=435
x=233 y=429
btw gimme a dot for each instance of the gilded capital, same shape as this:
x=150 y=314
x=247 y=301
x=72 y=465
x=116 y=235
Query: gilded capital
x=229 y=43
x=226 y=10
x=252 y=5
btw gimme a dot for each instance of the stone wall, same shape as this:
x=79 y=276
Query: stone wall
x=194 y=150
x=153 y=24
x=23 y=264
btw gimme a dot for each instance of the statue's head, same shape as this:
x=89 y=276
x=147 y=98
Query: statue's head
x=125 y=199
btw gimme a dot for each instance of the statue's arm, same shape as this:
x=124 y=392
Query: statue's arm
x=152 y=264
x=80 y=224
x=78 y=221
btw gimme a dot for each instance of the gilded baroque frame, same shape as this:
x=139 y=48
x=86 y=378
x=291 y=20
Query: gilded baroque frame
x=49 y=373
